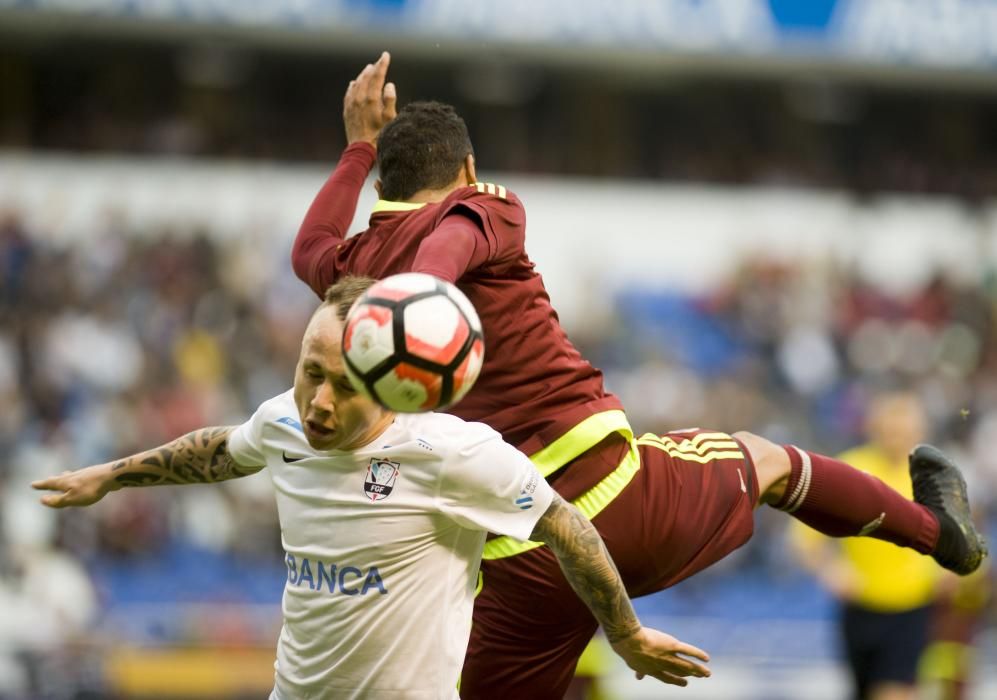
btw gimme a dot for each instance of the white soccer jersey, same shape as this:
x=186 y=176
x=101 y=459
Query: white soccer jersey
x=383 y=546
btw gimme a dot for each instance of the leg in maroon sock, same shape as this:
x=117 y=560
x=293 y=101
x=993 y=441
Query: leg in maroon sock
x=841 y=501
x=837 y=499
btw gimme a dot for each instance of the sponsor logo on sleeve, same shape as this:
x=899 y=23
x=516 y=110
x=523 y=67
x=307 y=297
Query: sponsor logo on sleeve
x=380 y=479
x=525 y=499
x=287 y=420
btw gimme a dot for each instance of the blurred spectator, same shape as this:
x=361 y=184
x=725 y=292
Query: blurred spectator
x=886 y=593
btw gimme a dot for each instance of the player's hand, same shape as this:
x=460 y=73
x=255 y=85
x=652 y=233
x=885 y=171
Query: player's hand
x=370 y=103
x=83 y=487
x=653 y=653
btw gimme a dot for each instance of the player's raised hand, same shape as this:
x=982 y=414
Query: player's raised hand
x=83 y=487
x=653 y=653
x=370 y=102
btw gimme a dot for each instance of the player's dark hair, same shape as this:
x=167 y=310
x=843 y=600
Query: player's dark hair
x=422 y=148
x=344 y=292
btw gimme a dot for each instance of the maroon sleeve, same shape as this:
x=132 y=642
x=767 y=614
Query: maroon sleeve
x=328 y=219
x=500 y=217
x=453 y=248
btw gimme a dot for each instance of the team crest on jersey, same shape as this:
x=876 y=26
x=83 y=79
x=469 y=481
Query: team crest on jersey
x=381 y=475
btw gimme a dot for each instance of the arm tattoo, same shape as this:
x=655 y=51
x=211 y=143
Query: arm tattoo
x=588 y=567
x=200 y=457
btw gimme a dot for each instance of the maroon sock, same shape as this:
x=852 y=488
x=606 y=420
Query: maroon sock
x=841 y=501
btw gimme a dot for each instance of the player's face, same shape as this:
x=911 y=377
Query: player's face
x=334 y=416
x=897 y=422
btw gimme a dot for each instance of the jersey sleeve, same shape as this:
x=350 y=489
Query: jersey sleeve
x=245 y=443
x=319 y=248
x=490 y=485
x=451 y=249
x=499 y=214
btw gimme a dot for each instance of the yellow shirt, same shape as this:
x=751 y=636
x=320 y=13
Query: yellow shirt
x=890 y=578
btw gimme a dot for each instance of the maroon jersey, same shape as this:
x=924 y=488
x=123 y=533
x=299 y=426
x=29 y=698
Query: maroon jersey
x=534 y=385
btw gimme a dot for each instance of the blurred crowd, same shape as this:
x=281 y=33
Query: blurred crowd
x=127 y=341
x=227 y=101
x=794 y=350
x=106 y=349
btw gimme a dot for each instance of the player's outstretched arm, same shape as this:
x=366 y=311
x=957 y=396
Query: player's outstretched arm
x=369 y=104
x=199 y=457
x=591 y=572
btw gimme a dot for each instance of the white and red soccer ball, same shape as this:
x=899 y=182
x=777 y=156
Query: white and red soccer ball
x=413 y=343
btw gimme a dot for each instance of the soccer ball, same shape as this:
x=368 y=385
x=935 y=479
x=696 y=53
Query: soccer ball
x=413 y=343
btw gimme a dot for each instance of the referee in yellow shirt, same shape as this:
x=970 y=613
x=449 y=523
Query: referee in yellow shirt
x=886 y=591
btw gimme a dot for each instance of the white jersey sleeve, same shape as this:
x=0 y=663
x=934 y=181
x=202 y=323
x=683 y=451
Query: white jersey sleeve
x=487 y=484
x=245 y=443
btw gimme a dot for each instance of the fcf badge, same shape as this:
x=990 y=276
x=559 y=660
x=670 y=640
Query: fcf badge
x=381 y=475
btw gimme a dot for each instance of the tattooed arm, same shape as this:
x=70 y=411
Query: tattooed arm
x=591 y=572
x=199 y=457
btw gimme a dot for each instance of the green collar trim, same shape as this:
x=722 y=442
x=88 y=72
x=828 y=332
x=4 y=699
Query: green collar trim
x=386 y=205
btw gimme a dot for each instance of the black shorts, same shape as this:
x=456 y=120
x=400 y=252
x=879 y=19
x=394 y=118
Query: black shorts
x=883 y=647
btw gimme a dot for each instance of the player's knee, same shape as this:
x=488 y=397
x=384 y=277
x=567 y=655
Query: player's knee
x=771 y=463
x=758 y=446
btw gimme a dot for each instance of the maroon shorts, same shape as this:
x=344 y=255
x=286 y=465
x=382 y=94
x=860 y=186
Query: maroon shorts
x=688 y=506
